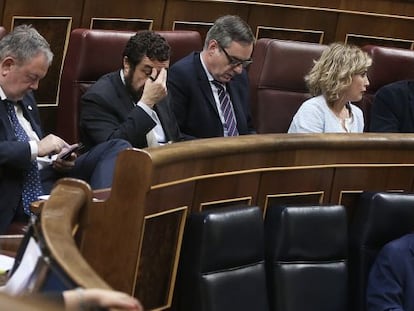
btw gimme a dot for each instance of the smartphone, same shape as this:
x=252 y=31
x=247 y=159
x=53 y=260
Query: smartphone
x=66 y=155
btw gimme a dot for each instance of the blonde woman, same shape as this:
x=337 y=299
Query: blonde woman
x=338 y=78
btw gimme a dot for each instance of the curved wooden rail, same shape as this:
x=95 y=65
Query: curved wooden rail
x=64 y=212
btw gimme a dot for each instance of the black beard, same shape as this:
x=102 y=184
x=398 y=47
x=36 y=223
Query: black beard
x=135 y=94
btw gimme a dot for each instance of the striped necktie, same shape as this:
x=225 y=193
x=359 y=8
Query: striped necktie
x=226 y=109
x=32 y=186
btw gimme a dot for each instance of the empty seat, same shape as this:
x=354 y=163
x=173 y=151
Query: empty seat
x=378 y=219
x=222 y=261
x=306 y=258
x=92 y=53
x=277 y=81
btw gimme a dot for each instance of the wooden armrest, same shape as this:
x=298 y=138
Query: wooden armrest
x=61 y=214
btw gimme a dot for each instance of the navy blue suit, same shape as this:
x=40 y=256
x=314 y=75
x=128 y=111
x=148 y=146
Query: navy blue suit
x=95 y=167
x=193 y=103
x=107 y=112
x=391 y=280
x=393 y=108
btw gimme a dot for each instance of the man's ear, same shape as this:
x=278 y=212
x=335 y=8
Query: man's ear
x=6 y=65
x=126 y=64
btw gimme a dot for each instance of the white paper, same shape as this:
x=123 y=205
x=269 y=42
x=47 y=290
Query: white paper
x=18 y=281
x=6 y=263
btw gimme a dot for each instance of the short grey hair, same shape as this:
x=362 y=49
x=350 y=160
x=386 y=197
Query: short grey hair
x=24 y=43
x=229 y=28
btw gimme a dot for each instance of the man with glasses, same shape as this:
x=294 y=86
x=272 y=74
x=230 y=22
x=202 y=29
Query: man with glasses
x=209 y=91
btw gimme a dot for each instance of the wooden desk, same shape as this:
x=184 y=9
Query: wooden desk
x=133 y=238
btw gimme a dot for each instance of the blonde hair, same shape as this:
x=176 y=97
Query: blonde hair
x=333 y=72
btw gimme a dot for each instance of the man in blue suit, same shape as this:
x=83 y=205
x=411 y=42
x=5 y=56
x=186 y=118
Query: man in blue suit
x=393 y=108
x=30 y=163
x=391 y=279
x=196 y=83
x=132 y=103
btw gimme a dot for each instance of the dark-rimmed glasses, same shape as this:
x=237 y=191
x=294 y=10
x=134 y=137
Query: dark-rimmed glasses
x=234 y=61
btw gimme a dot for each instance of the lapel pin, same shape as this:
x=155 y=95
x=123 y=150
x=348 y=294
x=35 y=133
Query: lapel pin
x=29 y=107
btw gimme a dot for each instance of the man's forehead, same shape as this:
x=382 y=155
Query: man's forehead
x=155 y=63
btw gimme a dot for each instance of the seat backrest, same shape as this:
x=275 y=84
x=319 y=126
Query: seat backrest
x=378 y=219
x=222 y=261
x=92 y=53
x=306 y=257
x=277 y=81
x=388 y=65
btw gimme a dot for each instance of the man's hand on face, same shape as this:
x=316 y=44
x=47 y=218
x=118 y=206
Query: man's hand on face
x=155 y=89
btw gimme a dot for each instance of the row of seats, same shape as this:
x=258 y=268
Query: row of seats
x=277 y=78
x=299 y=258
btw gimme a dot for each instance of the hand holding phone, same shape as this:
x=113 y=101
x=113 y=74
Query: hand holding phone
x=66 y=154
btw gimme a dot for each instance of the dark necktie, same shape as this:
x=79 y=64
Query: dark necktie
x=226 y=110
x=32 y=186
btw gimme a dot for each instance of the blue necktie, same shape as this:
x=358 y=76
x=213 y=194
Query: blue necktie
x=226 y=110
x=32 y=186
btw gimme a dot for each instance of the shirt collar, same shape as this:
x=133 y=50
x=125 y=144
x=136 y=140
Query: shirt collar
x=2 y=95
x=121 y=73
x=209 y=76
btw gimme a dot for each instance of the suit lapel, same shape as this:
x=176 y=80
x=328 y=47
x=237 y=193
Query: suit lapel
x=9 y=132
x=28 y=112
x=204 y=83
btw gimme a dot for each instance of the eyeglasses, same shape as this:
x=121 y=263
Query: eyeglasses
x=234 y=61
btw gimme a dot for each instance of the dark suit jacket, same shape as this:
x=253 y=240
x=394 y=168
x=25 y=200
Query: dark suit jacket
x=193 y=103
x=15 y=159
x=391 y=280
x=107 y=111
x=393 y=108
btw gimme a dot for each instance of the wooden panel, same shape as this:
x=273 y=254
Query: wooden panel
x=201 y=27
x=372 y=178
x=289 y=34
x=56 y=31
x=361 y=40
x=40 y=8
x=223 y=190
x=309 y=20
x=179 y=10
x=152 y=10
x=158 y=265
x=375 y=25
x=128 y=24
x=295 y=185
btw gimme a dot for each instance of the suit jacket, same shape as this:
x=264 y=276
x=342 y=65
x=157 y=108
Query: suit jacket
x=193 y=103
x=393 y=108
x=391 y=280
x=15 y=159
x=107 y=111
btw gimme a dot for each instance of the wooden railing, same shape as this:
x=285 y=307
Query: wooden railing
x=133 y=237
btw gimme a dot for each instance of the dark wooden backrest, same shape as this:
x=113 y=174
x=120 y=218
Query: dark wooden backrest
x=92 y=53
x=277 y=81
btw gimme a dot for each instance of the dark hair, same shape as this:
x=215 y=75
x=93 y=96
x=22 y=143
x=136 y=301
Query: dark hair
x=146 y=43
x=229 y=28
